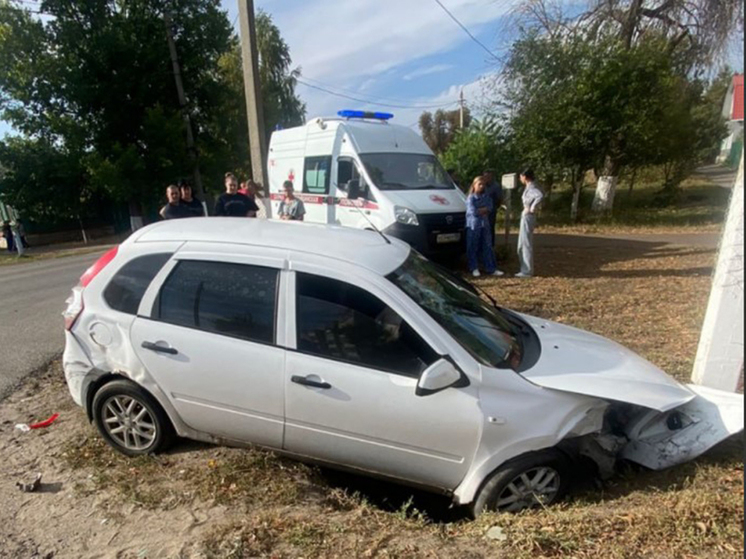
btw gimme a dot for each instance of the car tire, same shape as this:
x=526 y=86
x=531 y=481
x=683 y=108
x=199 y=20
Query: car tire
x=538 y=479
x=131 y=420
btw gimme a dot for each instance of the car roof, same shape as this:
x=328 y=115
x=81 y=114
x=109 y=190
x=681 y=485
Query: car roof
x=361 y=247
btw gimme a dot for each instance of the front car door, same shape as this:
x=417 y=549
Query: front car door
x=210 y=342
x=350 y=395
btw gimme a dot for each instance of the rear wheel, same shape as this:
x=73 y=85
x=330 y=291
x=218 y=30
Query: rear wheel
x=534 y=480
x=131 y=420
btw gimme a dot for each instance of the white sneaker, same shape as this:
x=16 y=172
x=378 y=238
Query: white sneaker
x=498 y=273
x=521 y=275
x=476 y=274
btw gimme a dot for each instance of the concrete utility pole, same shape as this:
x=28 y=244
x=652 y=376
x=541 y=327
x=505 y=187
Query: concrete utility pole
x=462 y=106
x=254 y=106
x=719 y=362
x=199 y=190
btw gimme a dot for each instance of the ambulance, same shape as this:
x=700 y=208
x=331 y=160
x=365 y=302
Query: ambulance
x=359 y=170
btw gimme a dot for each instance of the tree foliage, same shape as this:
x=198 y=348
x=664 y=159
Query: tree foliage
x=579 y=103
x=485 y=145
x=441 y=128
x=92 y=83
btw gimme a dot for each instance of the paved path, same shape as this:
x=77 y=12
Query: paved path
x=596 y=240
x=721 y=176
x=32 y=296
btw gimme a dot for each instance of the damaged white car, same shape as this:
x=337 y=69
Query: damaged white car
x=345 y=348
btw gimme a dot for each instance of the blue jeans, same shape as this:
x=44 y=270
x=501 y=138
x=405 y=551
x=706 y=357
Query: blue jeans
x=479 y=245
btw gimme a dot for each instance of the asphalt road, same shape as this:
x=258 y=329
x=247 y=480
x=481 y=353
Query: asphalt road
x=32 y=298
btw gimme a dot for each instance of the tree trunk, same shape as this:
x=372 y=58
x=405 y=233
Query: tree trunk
x=548 y=188
x=136 y=220
x=606 y=187
x=82 y=231
x=632 y=181
x=577 y=187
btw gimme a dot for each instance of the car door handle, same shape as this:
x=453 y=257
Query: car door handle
x=305 y=381
x=159 y=348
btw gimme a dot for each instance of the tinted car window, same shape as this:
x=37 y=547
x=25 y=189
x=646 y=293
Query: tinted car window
x=127 y=287
x=346 y=323
x=230 y=299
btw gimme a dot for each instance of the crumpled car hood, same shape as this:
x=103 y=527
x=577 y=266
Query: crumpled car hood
x=576 y=361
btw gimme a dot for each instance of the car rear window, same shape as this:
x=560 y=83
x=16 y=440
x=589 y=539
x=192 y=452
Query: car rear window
x=127 y=287
x=234 y=300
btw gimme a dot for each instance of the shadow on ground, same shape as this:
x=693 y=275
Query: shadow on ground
x=607 y=257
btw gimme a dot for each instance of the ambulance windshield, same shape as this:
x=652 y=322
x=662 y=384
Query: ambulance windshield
x=406 y=171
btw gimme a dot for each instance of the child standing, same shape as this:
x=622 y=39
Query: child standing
x=478 y=235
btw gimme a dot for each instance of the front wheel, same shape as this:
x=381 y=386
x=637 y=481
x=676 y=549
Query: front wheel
x=534 y=480
x=131 y=420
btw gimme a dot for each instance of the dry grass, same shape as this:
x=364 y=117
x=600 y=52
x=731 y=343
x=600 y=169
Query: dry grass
x=649 y=297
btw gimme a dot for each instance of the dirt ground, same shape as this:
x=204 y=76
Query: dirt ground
x=203 y=501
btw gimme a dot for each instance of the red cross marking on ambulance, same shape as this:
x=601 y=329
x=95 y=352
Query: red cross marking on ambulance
x=440 y=200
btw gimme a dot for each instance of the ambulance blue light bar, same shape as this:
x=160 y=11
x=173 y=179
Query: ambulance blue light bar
x=365 y=114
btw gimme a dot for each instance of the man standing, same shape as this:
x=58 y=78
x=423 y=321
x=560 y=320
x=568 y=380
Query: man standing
x=291 y=208
x=495 y=192
x=232 y=203
x=189 y=201
x=532 y=198
x=174 y=209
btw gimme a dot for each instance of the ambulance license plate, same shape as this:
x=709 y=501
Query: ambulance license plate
x=445 y=238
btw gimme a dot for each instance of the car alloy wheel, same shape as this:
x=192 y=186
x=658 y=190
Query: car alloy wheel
x=130 y=419
x=536 y=487
x=129 y=422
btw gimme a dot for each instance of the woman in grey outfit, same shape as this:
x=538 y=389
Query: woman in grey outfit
x=532 y=198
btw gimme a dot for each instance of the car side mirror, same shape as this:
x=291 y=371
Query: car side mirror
x=353 y=189
x=439 y=376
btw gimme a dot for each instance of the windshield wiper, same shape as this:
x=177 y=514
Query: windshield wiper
x=489 y=297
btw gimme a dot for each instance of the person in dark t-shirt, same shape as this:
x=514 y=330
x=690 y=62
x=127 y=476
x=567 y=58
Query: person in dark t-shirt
x=188 y=200
x=174 y=209
x=232 y=203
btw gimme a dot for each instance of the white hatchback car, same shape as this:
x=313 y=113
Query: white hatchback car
x=342 y=347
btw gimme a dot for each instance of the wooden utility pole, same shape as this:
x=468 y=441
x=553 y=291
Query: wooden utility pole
x=462 y=107
x=254 y=106
x=200 y=191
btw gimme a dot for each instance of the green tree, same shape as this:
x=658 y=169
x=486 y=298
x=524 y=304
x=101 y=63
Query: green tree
x=692 y=34
x=484 y=145
x=579 y=104
x=441 y=128
x=95 y=80
x=282 y=106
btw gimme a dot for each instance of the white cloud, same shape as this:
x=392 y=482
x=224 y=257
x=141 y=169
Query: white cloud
x=427 y=71
x=334 y=40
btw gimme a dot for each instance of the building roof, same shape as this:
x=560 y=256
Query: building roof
x=356 y=246
x=737 y=112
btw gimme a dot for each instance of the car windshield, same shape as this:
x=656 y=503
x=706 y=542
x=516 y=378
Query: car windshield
x=406 y=171
x=479 y=327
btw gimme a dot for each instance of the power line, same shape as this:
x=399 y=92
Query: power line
x=369 y=102
x=466 y=30
x=350 y=92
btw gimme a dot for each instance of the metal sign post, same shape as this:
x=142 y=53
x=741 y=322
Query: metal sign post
x=510 y=183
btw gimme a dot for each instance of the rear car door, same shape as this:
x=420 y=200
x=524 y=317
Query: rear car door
x=210 y=342
x=350 y=396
